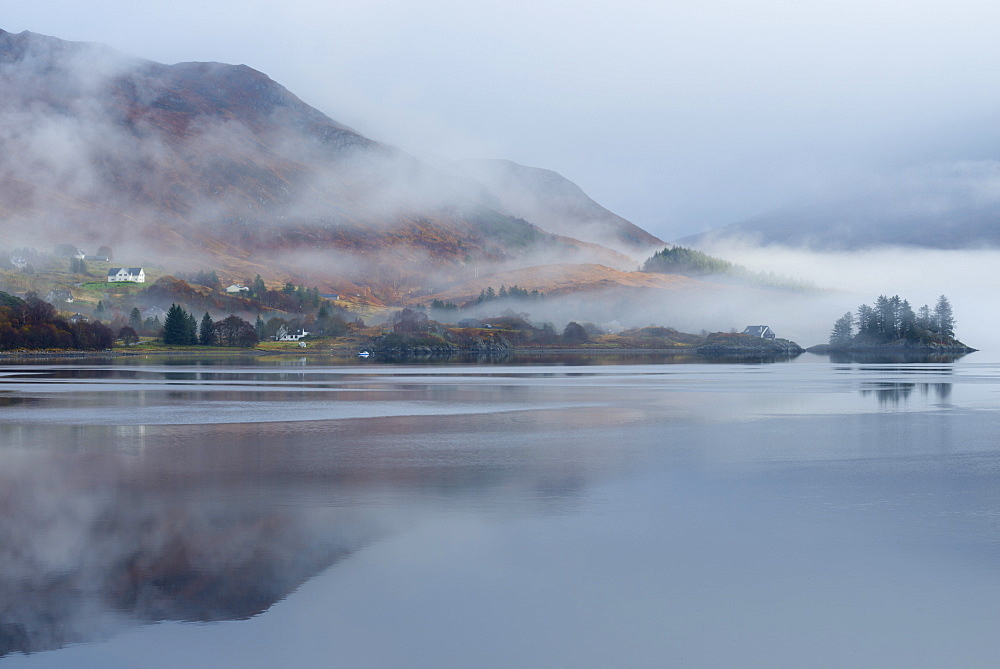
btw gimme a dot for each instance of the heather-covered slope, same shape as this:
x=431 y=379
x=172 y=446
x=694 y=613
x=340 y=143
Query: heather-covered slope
x=214 y=165
x=558 y=205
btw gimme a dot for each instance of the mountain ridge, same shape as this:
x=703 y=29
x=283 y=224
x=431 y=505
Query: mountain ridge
x=196 y=162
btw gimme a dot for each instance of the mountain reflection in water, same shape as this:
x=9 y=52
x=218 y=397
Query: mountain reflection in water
x=89 y=544
x=503 y=515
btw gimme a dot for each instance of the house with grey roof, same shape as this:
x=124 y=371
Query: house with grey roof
x=58 y=296
x=761 y=331
x=131 y=274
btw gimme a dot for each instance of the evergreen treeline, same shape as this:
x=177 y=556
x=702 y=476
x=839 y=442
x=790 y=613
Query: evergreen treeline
x=181 y=329
x=689 y=262
x=32 y=323
x=892 y=319
x=680 y=260
x=514 y=292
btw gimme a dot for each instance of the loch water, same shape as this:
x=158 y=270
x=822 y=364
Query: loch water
x=261 y=512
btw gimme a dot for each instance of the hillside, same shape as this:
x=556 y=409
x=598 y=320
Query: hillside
x=557 y=205
x=566 y=279
x=197 y=165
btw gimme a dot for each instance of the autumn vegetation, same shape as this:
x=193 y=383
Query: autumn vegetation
x=33 y=323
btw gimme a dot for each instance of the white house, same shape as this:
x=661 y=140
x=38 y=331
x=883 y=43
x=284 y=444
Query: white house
x=133 y=274
x=58 y=296
x=237 y=288
x=761 y=331
x=283 y=334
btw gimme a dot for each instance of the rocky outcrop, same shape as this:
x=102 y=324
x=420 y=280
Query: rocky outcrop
x=729 y=345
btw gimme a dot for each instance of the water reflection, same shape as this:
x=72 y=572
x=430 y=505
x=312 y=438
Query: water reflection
x=892 y=393
x=88 y=546
x=554 y=500
x=895 y=358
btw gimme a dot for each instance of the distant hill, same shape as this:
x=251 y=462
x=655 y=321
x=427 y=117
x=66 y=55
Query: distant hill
x=208 y=165
x=557 y=205
x=949 y=206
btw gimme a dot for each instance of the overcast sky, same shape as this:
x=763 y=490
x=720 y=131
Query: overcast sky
x=677 y=115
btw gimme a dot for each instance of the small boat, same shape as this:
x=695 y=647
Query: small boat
x=363 y=354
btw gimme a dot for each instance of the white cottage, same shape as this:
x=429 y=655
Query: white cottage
x=762 y=331
x=284 y=334
x=133 y=274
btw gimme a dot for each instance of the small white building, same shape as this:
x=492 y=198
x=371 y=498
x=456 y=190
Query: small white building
x=132 y=274
x=284 y=334
x=58 y=296
x=762 y=331
x=237 y=288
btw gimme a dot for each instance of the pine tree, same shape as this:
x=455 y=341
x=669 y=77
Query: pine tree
x=206 y=334
x=924 y=321
x=190 y=329
x=843 y=330
x=258 y=288
x=866 y=321
x=907 y=321
x=260 y=328
x=135 y=319
x=175 y=326
x=944 y=318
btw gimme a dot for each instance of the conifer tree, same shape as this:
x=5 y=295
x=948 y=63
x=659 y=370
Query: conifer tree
x=135 y=319
x=190 y=329
x=258 y=288
x=175 y=326
x=206 y=334
x=944 y=318
x=843 y=330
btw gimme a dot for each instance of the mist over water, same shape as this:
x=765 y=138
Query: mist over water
x=851 y=278
x=586 y=512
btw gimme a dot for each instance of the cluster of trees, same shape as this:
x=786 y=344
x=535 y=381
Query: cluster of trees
x=516 y=327
x=442 y=306
x=689 y=262
x=32 y=323
x=181 y=329
x=77 y=266
x=289 y=298
x=893 y=319
x=203 y=278
x=514 y=293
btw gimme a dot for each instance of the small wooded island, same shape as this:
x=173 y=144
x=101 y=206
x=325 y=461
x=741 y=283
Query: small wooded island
x=891 y=324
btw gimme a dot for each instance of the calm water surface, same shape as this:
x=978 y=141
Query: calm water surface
x=262 y=513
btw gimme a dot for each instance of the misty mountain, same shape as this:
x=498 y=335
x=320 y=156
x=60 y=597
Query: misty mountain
x=556 y=204
x=944 y=206
x=214 y=165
